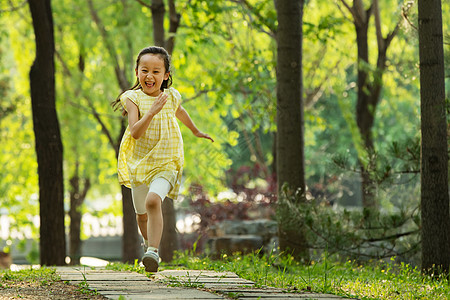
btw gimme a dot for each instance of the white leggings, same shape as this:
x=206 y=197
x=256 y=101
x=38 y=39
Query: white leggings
x=159 y=186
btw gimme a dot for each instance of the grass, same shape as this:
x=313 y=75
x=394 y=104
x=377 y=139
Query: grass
x=373 y=280
x=42 y=276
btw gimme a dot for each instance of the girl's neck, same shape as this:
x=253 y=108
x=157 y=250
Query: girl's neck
x=151 y=95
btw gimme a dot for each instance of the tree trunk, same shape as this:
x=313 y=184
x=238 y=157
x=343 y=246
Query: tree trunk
x=434 y=158
x=49 y=149
x=290 y=143
x=365 y=112
x=77 y=197
x=158 y=12
x=169 y=239
x=131 y=241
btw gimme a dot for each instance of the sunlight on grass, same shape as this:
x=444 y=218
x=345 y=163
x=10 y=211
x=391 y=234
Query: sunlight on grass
x=29 y=274
x=374 y=280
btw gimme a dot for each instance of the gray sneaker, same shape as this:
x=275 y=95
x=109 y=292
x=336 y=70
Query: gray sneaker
x=151 y=261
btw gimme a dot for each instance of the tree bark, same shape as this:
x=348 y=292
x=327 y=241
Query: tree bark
x=169 y=239
x=290 y=139
x=131 y=238
x=49 y=149
x=158 y=11
x=434 y=159
x=365 y=113
x=77 y=197
x=174 y=18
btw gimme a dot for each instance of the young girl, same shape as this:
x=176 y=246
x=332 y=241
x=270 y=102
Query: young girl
x=151 y=152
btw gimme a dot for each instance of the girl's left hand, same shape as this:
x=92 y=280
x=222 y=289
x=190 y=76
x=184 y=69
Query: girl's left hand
x=203 y=135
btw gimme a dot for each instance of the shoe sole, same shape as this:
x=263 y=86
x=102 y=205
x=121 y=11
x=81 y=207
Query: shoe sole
x=150 y=264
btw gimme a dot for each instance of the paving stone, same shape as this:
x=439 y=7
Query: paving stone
x=177 y=284
x=114 y=284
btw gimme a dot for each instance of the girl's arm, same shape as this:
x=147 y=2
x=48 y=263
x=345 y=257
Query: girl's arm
x=138 y=127
x=184 y=117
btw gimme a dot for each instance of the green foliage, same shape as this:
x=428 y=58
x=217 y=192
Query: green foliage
x=18 y=172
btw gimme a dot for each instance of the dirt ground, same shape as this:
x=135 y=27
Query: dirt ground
x=44 y=290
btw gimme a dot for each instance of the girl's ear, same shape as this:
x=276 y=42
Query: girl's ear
x=166 y=76
x=136 y=70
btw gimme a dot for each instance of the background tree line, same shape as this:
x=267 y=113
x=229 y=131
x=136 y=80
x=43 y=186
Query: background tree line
x=360 y=92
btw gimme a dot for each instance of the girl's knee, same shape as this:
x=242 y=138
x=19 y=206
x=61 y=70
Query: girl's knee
x=153 y=201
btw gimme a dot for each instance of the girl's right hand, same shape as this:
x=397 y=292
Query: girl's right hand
x=158 y=104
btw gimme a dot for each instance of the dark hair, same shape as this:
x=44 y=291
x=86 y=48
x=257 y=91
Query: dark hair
x=164 y=55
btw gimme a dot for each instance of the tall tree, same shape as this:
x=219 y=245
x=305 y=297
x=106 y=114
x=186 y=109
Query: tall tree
x=369 y=85
x=78 y=191
x=131 y=238
x=47 y=137
x=434 y=159
x=290 y=139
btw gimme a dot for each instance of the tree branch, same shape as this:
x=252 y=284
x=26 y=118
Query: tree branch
x=174 y=19
x=259 y=17
x=199 y=93
x=393 y=33
x=92 y=110
x=380 y=39
x=102 y=124
x=350 y=9
x=144 y=4
x=120 y=74
x=392 y=237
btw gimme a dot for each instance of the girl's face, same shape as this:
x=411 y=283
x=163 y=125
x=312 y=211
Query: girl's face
x=151 y=73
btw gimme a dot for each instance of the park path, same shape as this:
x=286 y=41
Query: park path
x=177 y=284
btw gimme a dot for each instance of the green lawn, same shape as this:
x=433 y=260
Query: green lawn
x=373 y=280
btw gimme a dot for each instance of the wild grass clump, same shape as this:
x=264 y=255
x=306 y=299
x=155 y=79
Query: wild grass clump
x=29 y=275
x=373 y=280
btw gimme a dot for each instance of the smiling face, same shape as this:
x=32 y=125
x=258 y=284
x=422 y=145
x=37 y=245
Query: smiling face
x=151 y=73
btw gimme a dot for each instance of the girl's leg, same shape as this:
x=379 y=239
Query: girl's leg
x=158 y=190
x=139 y=194
x=153 y=205
x=142 y=224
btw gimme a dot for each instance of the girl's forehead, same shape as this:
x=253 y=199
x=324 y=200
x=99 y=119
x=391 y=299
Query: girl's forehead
x=151 y=60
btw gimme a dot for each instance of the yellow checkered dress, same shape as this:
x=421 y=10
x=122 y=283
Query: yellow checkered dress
x=159 y=152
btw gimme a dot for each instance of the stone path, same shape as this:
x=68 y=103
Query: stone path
x=176 y=284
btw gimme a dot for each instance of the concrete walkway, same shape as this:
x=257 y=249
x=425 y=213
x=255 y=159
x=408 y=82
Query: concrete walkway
x=176 y=284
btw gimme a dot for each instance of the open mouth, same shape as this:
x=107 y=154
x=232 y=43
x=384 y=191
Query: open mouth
x=149 y=84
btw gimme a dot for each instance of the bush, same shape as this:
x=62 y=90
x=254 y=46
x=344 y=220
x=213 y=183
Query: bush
x=352 y=234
